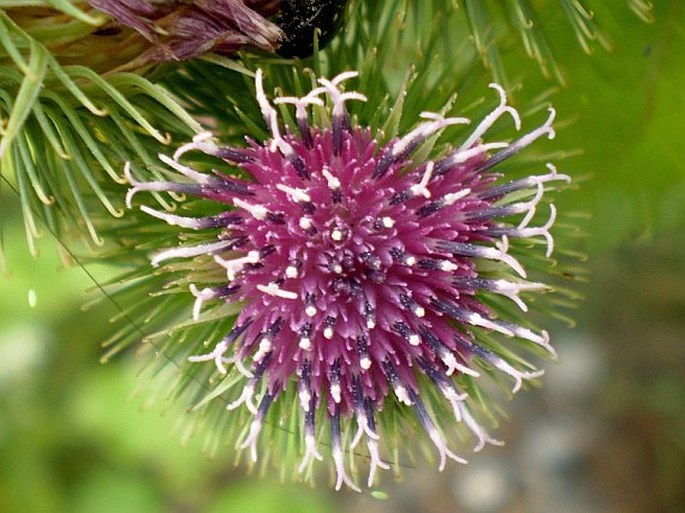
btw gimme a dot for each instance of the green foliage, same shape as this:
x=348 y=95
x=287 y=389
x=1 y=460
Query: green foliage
x=68 y=131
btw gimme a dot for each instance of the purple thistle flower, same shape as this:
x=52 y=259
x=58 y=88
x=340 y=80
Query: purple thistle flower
x=361 y=270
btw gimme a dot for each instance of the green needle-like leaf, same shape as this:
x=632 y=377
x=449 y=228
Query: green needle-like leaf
x=28 y=92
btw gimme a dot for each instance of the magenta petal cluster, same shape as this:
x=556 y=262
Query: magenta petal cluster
x=361 y=269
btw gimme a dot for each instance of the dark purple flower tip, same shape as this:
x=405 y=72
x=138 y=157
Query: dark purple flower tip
x=364 y=272
x=182 y=30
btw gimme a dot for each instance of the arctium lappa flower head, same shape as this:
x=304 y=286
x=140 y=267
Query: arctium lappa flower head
x=363 y=276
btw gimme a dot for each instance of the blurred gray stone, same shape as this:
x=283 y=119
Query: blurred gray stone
x=483 y=486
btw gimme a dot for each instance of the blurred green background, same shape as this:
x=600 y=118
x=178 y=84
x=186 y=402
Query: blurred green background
x=605 y=434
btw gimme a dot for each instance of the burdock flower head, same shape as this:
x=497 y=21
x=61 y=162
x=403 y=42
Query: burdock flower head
x=363 y=274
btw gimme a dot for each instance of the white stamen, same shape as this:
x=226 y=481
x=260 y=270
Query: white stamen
x=419 y=311
x=294 y=100
x=447 y=266
x=336 y=235
x=266 y=108
x=362 y=425
x=305 y=343
x=259 y=212
x=310 y=311
x=196 y=176
x=425 y=130
x=251 y=439
x=370 y=323
x=310 y=454
x=271 y=118
x=410 y=261
x=233 y=267
x=365 y=363
x=339 y=98
x=201 y=296
x=500 y=253
x=376 y=461
x=278 y=142
x=305 y=223
x=453 y=197
x=291 y=272
x=132 y=181
x=272 y=289
x=300 y=104
x=372 y=444
x=363 y=428
x=481 y=434
x=402 y=395
x=541 y=340
x=454 y=398
x=328 y=332
x=264 y=348
x=453 y=364
x=518 y=375
x=333 y=181
x=553 y=175
x=388 y=222
x=529 y=207
x=414 y=339
x=340 y=470
x=335 y=393
x=434 y=116
x=173 y=220
x=519 y=302
x=545 y=129
x=459 y=157
x=297 y=195
x=197 y=144
x=478 y=320
x=352 y=95
x=189 y=251
x=245 y=398
x=305 y=397
x=521 y=231
x=490 y=119
x=217 y=355
x=512 y=290
x=444 y=452
x=421 y=189
x=341 y=77
x=237 y=360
